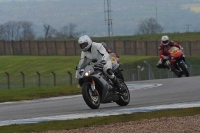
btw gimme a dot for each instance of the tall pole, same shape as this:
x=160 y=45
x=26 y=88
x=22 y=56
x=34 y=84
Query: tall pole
x=156 y=15
x=108 y=7
x=188 y=27
x=156 y=12
x=108 y=19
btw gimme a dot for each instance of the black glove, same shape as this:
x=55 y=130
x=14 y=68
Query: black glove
x=100 y=65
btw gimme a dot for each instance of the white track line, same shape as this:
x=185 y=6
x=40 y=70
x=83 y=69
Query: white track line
x=101 y=113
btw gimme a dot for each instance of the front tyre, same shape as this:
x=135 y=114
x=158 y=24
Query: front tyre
x=92 y=101
x=184 y=69
x=125 y=98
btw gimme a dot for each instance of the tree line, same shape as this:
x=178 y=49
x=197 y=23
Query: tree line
x=16 y=30
x=23 y=30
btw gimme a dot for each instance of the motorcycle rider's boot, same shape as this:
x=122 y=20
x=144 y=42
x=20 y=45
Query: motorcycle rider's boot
x=115 y=81
x=119 y=87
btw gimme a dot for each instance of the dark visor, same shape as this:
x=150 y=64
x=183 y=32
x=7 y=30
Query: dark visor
x=83 y=45
x=164 y=42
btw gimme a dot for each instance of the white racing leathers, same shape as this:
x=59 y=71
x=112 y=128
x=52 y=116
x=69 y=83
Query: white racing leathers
x=97 y=52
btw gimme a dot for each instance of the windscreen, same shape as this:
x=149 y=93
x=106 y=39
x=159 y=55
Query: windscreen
x=85 y=63
x=173 y=49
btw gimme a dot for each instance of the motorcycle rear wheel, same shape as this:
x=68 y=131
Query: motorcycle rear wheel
x=92 y=101
x=125 y=98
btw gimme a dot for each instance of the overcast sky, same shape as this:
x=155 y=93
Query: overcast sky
x=88 y=15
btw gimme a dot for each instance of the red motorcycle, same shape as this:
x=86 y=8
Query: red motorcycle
x=176 y=56
x=115 y=61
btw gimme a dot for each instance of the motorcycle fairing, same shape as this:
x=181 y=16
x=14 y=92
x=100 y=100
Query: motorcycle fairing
x=105 y=88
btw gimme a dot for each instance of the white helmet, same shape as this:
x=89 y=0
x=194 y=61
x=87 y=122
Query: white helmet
x=165 y=40
x=84 y=42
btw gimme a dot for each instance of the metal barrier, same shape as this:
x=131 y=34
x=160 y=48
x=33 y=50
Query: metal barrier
x=38 y=80
x=130 y=72
x=149 y=72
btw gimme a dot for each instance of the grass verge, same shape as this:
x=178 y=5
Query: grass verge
x=38 y=92
x=73 y=124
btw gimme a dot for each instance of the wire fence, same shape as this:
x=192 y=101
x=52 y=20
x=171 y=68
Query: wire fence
x=130 y=72
x=148 y=72
x=19 y=81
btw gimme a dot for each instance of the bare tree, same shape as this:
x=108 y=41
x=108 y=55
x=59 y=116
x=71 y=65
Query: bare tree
x=64 y=32
x=149 y=26
x=16 y=30
x=11 y=30
x=49 y=31
x=46 y=30
x=27 y=31
x=2 y=32
x=68 y=31
x=72 y=28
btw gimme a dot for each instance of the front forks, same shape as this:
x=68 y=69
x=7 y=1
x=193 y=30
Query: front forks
x=93 y=85
x=94 y=91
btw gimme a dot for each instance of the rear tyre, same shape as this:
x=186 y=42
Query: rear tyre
x=92 y=101
x=125 y=98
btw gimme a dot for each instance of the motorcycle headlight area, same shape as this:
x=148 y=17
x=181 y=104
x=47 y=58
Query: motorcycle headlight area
x=87 y=73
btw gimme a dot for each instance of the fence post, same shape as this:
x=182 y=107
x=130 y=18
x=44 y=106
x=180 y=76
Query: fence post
x=23 y=79
x=70 y=75
x=38 y=78
x=138 y=73
x=8 y=77
x=54 y=78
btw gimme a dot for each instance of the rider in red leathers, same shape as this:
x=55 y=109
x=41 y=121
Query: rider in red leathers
x=165 y=45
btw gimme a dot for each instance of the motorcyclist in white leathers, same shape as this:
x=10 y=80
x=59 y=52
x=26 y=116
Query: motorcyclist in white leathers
x=93 y=50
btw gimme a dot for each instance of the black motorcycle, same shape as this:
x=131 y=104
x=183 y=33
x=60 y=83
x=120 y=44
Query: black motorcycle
x=98 y=88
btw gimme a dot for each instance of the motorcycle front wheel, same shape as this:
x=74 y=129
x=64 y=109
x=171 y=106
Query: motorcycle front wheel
x=184 y=69
x=92 y=101
x=125 y=98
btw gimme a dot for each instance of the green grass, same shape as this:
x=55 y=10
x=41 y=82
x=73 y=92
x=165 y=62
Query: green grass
x=73 y=124
x=43 y=64
x=37 y=92
x=46 y=64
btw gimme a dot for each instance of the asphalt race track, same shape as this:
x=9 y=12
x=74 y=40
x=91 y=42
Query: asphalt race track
x=143 y=94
